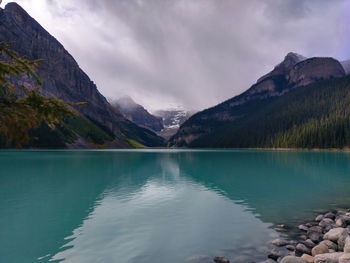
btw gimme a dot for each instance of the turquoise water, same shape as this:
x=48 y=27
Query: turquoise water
x=160 y=206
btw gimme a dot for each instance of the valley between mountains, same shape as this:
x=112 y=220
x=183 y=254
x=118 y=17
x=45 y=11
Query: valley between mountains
x=302 y=103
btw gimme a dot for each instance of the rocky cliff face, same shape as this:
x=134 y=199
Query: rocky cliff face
x=62 y=76
x=138 y=114
x=295 y=71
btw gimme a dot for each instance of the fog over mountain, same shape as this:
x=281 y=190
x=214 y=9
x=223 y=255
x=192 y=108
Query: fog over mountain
x=190 y=53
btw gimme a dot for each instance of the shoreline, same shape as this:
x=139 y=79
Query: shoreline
x=326 y=239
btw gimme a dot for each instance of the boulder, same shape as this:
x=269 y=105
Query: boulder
x=341 y=240
x=330 y=244
x=290 y=247
x=279 y=242
x=325 y=222
x=303 y=227
x=328 y=257
x=302 y=249
x=275 y=254
x=308 y=258
x=334 y=234
x=320 y=249
x=316 y=237
x=347 y=245
x=329 y=215
x=345 y=258
x=309 y=243
x=269 y=260
x=319 y=218
x=340 y=222
x=221 y=260
x=293 y=259
x=317 y=229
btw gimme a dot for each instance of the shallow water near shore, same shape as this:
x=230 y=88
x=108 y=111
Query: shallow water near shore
x=160 y=205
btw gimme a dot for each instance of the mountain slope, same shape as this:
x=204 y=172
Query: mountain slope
x=63 y=78
x=346 y=66
x=172 y=120
x=313 y=116
x=216 y=122
x=138 y=114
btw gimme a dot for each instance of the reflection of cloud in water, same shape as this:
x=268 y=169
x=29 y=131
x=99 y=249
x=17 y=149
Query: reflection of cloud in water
x=168 y=219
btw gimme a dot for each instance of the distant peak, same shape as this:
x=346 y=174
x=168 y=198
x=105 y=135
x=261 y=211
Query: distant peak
x=295 y=57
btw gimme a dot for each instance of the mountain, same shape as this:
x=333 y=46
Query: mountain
x=296 y=94
x=172 y=120
x=63 y=78
x=138 y=114
x=346 y=66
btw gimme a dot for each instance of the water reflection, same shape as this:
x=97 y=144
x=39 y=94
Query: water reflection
x=159 y=206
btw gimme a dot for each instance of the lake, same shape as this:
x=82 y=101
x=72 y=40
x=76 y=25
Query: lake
x=156 y=206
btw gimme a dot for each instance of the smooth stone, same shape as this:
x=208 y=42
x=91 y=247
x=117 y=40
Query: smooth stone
x=325 y=222
x=330 y=244
x=329 y=215
x=302 y=249
x=303 y=237
x=309 y=243
x=347 y=245
x=317 y=229
x=334 y=234
x=293 y=259
x=269 y=260
x=221 y=260
x=303 y=228
x=345 y=219
x=345 y=258
x=316 y=237
x=329 y=227
x=319 y=218
x=279 y=242
x=319 y=249
x=341 y=240
x=275 y=254
x=340 y=222
x=308 y=258
x=328 y=257
x=290 y=247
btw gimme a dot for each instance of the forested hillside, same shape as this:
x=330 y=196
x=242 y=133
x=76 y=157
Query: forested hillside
x=313 y=116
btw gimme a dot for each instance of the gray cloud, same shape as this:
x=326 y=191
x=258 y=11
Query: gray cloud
x=193 y=53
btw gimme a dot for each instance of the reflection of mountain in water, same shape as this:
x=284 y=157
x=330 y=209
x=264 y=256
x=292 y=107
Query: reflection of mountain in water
x=280 y=187
x=59 y=191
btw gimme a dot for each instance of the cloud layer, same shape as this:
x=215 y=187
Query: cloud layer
x=191 y=53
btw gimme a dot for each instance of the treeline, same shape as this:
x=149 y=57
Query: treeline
x=314 y=116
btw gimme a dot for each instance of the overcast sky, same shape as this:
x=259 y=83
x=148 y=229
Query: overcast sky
x=190 y=53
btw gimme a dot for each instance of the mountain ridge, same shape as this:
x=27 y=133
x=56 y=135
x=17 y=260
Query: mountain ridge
x=138 y=114
x=63 y=78
x=285 y=77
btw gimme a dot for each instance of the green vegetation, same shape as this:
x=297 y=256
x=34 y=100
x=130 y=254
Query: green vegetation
x=21 y=114
x=135 y=144
x=314 y=116
x=140 y=135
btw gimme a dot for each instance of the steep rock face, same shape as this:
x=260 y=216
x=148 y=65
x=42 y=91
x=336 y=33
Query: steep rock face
x=62 y=76
x=346 y=66
x=313 y=69
x=285 y=66
x=138 y=114
x=172 y=120
x=295 y=71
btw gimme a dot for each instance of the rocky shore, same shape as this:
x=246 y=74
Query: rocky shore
x=324 y=240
